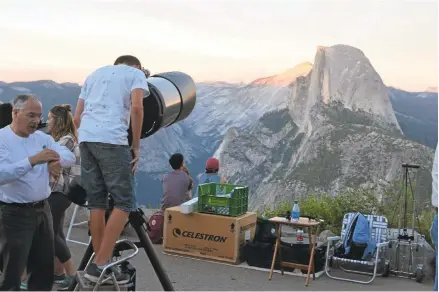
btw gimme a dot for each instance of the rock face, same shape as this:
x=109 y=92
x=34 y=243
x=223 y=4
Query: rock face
x=341 y=74
x=338 y=130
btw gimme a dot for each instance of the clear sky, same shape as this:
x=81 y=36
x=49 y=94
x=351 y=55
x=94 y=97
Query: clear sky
x=213 y=40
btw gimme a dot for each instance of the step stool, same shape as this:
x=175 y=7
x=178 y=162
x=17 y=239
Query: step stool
x=85 y=285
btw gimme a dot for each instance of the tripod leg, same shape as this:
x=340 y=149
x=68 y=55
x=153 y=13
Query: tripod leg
x=85 y=258
x=414 y=207
x=405 y=199
x=136 y=222
x=87 y=255
x=399 y=205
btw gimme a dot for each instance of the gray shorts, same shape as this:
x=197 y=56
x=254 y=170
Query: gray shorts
x=106 y=169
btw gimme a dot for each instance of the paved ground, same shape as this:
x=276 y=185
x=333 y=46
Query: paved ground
x=190 y=274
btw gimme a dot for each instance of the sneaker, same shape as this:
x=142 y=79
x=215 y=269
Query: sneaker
x=64 y=285
x=92 y=273
x=58 y=279
x=23 y=285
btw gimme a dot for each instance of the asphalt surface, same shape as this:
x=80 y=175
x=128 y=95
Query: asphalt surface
x=190 y=274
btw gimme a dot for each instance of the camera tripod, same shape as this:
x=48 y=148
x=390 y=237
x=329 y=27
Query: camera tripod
x=137 y=221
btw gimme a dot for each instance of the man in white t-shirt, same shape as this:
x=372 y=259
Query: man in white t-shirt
x=110 y=97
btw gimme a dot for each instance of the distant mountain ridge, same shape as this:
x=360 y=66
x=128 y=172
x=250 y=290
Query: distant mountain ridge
x=285 y=78
x=222 y=106
x=417 y=115
x=49 y=92
x=431 y=89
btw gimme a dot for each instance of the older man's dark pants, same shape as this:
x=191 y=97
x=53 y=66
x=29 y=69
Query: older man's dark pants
x=26 y=239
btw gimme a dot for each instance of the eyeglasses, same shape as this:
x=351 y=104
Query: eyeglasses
x=34 y=117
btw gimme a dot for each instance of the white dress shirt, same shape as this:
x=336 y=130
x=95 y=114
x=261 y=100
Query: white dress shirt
x=434 y=175
x=19 y=181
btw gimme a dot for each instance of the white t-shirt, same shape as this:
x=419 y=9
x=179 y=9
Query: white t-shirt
x=107 y=103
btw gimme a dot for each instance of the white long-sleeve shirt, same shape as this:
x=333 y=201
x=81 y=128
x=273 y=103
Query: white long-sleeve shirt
x=19 y=181
x=434 y=175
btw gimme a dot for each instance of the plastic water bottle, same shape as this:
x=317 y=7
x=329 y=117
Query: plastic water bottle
x=295 y=213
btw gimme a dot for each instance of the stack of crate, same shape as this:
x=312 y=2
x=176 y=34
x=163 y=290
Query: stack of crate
x=215 y=226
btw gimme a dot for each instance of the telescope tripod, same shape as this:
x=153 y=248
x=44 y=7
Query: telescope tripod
x=404 y=239
x=137 y=221
x=406 y=183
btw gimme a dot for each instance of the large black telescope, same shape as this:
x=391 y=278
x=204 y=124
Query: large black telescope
x=172 y=98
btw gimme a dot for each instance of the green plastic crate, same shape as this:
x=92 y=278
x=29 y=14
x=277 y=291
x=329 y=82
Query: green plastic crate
x=215 y=199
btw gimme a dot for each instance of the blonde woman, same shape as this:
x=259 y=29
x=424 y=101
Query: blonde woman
x=63 y=130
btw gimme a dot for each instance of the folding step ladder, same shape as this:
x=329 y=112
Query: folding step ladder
x=103 y=283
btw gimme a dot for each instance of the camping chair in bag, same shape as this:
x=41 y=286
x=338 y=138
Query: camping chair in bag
x=74 y=224
x=77 y=195
x=373 y=254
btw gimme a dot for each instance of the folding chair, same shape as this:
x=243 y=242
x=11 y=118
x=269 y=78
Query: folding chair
x=72 y=224
x=378 y=225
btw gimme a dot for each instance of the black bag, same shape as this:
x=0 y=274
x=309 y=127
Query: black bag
x=260 y=254
x=76 y=193
x=356 y=252
x=299 y=253
x=265 y=231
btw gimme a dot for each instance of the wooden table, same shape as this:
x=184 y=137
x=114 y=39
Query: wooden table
x=304 y=223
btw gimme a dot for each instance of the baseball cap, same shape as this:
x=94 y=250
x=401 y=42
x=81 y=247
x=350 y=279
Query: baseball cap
x=212 y=164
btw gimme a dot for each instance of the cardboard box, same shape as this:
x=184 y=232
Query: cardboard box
x=207 y=236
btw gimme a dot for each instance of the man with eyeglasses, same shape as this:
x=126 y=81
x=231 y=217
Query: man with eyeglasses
x=26 y=231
